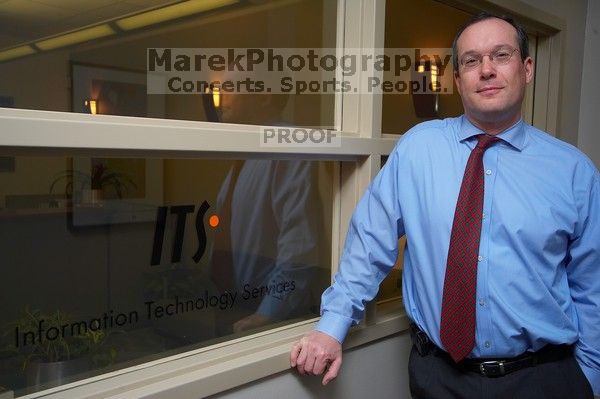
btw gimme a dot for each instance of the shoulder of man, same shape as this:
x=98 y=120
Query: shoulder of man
x=428 y=133
x=563 y=152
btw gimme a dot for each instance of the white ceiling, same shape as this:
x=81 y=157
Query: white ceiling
x=26 y=20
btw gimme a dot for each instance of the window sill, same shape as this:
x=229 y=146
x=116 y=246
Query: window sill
x=218 y=368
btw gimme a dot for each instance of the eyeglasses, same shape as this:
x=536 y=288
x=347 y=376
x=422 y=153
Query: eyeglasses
x=500 y=56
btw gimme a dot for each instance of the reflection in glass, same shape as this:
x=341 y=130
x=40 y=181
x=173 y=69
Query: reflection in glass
x=97 y=283
x=63 y=55
x=404 y=28
x=267 y=244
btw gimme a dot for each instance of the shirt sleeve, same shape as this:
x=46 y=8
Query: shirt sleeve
x=583 y=271
x=296 y=208
x=369 y=254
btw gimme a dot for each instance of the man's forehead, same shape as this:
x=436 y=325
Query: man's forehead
x=500 y=46
x=487 y=34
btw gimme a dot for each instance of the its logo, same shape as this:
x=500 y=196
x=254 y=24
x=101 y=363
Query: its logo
x=181 y=212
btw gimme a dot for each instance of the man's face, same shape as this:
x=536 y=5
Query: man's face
x=233 y=108
x=242 y=108
x=492 y=94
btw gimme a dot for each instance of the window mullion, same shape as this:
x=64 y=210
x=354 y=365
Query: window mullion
x=364 y=26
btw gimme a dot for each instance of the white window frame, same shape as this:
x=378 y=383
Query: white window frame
x=210 y=370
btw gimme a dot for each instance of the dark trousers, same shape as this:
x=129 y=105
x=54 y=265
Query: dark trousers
x=435 y=376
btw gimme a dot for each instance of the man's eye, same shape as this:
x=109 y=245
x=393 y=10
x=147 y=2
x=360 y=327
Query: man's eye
x=471 y=61
x=502 y=55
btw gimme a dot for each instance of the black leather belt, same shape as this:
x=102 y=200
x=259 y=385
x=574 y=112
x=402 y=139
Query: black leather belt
x=491 y=367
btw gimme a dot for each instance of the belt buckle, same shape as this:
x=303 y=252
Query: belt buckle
x=492 y=368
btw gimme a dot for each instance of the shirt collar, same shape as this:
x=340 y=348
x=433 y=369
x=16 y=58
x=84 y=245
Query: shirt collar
x=514 y=135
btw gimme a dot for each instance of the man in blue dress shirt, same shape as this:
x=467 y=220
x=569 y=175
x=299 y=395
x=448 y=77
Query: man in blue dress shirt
x=537 y=298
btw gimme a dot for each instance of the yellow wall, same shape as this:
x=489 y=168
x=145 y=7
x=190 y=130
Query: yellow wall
x=419 y=24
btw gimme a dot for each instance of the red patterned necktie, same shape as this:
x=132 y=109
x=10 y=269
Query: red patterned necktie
x=457 y=330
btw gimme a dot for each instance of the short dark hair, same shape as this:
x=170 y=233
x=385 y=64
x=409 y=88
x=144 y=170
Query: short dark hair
x=521 y=35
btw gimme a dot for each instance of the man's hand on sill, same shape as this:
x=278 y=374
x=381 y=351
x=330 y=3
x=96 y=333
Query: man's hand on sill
x=317 y=353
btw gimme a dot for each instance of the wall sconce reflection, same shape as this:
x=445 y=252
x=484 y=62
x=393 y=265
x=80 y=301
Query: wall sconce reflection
x=435 y=78
x=426 y=97
x=91 y=106
x=211 y=102
x=216 y=95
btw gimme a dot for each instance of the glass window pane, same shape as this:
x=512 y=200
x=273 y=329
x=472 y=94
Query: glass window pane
x=66 y=55
x=109 y=262
x=391 y=286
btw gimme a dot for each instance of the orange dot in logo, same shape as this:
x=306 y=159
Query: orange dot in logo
x=213 y=221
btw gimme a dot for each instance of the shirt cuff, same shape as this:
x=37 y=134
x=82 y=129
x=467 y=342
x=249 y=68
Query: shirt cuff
x=593 y=377
x=334 y=325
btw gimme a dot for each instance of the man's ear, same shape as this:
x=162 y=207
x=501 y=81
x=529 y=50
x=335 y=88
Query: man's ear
x=457 y=81
x=529 y=69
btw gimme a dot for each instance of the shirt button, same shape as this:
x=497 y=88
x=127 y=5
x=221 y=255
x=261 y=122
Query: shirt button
x=483 y=216
x=479 y=258
x=488 y=172
x=482 y=301
x=487 y=344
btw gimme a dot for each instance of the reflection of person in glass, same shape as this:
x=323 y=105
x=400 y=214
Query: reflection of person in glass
x=265 y=247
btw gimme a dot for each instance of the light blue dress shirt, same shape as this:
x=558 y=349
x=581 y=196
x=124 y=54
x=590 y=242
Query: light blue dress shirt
x=538 y=275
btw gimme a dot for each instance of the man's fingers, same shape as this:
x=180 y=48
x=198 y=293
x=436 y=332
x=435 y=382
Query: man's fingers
x=309 y=364
x=302 y=356
x=314 y=353
x=333 y=370
x=296 y=348
x=321 y=364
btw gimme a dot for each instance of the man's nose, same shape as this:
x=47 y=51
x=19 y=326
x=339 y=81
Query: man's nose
x=488 y=68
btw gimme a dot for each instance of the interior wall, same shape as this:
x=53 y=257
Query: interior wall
x=422 y=24
x=31 y=88
x=40 y=173
x=376 y=370
x=589 y=117
x=574 y=15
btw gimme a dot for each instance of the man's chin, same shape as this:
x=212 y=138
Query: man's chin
x=493 y=118
x=491 y=112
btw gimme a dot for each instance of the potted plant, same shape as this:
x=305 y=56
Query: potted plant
x=54 y=360
x=92 y=187
x=103 y=178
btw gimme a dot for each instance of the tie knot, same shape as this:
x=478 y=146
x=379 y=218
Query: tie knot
x=484 y=140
